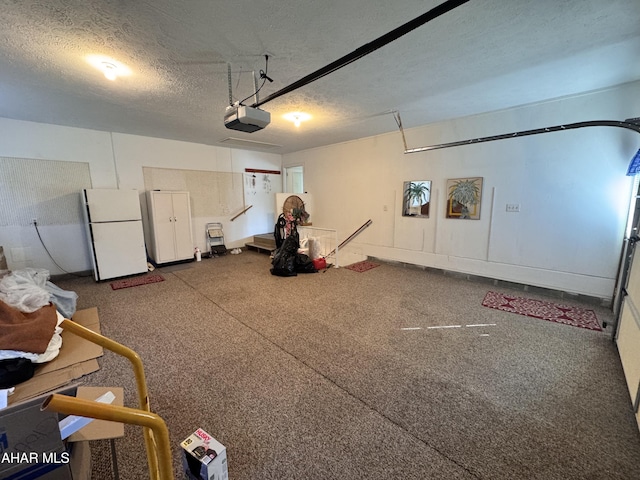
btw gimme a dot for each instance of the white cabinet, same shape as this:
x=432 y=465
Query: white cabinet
x=170 y=218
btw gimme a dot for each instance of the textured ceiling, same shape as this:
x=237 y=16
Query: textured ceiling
x=484 y=55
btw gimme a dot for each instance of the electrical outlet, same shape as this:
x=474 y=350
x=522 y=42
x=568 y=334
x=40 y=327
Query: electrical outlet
x=513 y=207
x=34 y=221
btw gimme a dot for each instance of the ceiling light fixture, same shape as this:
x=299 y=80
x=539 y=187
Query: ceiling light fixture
x=110 y=68
x=110 y=71
x=297 y=117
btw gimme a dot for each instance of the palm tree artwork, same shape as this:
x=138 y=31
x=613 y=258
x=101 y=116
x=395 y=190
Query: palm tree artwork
x=464 y=198
x=416 y=197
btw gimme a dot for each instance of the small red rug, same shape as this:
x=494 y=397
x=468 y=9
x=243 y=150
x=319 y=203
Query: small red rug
x=553 y=312
x=362 y=266
x=136 y=281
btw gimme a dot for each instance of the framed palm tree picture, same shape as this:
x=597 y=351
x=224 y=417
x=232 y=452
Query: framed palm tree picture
x=416 y=196
x=464 y=196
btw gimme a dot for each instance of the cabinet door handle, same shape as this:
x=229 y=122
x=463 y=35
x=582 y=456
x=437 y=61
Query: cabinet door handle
x=174 y=219
x=170 y=219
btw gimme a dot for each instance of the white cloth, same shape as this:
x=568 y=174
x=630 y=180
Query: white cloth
x=314 y=248
x=25 y=289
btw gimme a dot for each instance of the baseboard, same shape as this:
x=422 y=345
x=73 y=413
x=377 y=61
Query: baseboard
x=550 y=292
x=65 y=276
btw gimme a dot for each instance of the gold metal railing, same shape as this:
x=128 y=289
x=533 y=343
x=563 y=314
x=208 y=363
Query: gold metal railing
x=156 y=435
x=151 y=421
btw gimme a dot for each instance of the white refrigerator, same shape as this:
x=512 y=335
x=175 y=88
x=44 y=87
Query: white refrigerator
x=114 y=229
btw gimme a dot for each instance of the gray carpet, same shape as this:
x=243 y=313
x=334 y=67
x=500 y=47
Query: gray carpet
x=337 y=375
x=174 y=267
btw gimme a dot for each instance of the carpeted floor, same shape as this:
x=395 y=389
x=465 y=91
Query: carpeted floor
x=336 y=375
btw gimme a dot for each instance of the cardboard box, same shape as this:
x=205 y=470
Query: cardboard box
x=73 y=423
x=204 y=458
x=80 y=461
x=30 y=443
x=31 y=448
x=99 y=429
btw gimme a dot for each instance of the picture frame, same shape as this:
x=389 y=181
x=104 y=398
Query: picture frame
x=464 y=198
x=416 y=196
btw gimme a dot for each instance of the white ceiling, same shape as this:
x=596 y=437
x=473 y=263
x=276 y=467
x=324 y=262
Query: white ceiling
x=485 y=55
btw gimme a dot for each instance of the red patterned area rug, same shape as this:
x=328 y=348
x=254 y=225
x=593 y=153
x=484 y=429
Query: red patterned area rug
x=362 y=266
x=553 y=312
x=136 y=281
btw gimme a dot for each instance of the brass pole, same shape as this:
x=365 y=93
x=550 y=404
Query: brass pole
x=138 y=370
x=243 y=211
x=151 y=421
x=350 y=237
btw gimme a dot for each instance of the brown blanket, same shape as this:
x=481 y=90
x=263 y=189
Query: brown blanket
x=27 y=332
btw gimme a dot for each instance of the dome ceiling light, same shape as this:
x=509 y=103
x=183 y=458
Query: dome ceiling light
x=110 y=68
x=297 y=117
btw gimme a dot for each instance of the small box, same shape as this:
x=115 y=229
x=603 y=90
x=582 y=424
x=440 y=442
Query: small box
x=204 y=458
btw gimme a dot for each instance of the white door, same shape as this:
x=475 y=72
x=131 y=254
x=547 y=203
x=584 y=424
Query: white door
x=182 y=225
x=163 y=225
x=294 y=179
x=111 y=205
x=119 y=249
x=628 y=336
x=627 y=305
